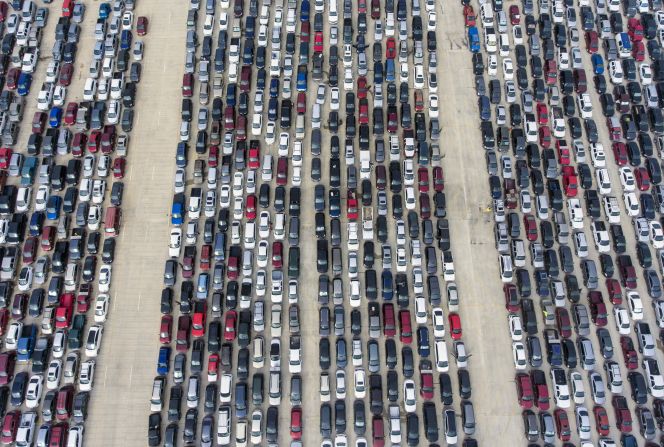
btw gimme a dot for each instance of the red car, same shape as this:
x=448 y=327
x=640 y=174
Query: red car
x=66 y=72
x=241 y=128
x=70 y=113
x=642 y=178
x=615 y=131
x=629 y=353
x=296 y=424
x=423 y=179
x=213 y=156
x=206 y=252
x=182 y=337
x=352 y=209
x=119 y=167
x=623 y=415
x=530 y=224
x=512 y=303
x=5 y=157
x=639 y=51
x=469 y=15
x=213 y=367
x=425 y=206
x=198 y=324
x=389 y=322
x=12 y=78
x=438 y=179
x=562 y=425
x=30 y=250
x=78 y=144
x=455 y=326
x=301 y=103
x=601 y=421
x=524 y=390
x=107 y=143
x=426 y=385
x=419 y=100
x=542 y=114
x=375 y=9
x=230 y=325
x=620 y=153
x=598 y=312
x=545 y=137
x=318 y=42
x=392 y=120
x=405 y=328
x=564 y=322
x=250 y=208
x=563 y=152
x=93 y=141
x=142 y=26
x=254 y=154
x=378 y=431
x=39 y=122
x=570 y=181
x=4 y=319
x=7 y=364
x=364 y=111
x=277 y=254
x=391 y=48
x=165 y=329
x=362 y=6
x=83 y=298
x=592 y=42
x=515 y=15
x=3 y=11
x=47 y=238
x=635 y=30
x=615 y=292
x=10 y=427
x=282 y=171
x=362 y=87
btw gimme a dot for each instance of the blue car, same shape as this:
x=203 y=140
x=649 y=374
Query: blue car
x=598 y=63
x=390 y=75
x=378 y=72
x=304 y=11
x=55 y=117
x=473 y=39
x=164 y=360
x=388 y=287
x=423 y=341
x=36 y=223
x=104 y=10
x=53 y=207
x=125 y=39
x=24 y=83
x=231 y=94
x=274 y=88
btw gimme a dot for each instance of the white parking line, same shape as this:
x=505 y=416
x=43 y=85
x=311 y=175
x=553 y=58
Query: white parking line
x=138 y=303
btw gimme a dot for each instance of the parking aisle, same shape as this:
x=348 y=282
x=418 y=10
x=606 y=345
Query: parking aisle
x=471 y=228
x=119 y=411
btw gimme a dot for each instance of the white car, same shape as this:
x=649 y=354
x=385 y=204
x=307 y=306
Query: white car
x=87 y=374
x=59 y=95
x=526 y=202
x=34 y=391
x=515 y=326
x=433 y=106
x=175 y=243
x=101 y=307
x=262 y=255
x=438 y=318
x=632 y=204
x=93 y=340
x=575 y=213
x=622 y=320
x=597 y=155
x=519 y=355
x=409 y=395
x=492 y=65
x=59 y=343
x=656 y=234
x=646 y=74
x=105 y=273
x=635 y=305
x=627 y=179
x=658 y=307
x=53 y=374
x=582 y=422
x=508 y=69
